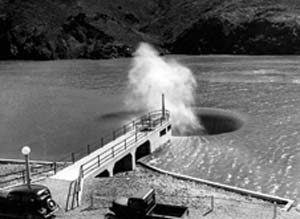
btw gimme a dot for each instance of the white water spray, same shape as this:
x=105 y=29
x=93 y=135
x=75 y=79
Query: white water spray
x=151 y=76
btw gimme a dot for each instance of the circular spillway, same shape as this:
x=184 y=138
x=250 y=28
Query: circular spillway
x=214 y=121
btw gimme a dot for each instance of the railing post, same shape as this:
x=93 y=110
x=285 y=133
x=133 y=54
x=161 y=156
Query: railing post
x=88 y=149
x=81 y=175
x=136 y=136
x=124 y=129
x=102 y=142
x=113 y=152
x=54 y=167
x=125 y=143
x=98 y=160
x=133 y=124
x=73 y=157
x=161 y=121
x=23 y=175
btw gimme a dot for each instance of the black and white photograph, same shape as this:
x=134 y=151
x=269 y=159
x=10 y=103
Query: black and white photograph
x=150 y=109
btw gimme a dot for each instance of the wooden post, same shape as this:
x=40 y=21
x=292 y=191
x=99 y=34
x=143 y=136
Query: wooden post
x=92 y=200
x=88 y=149
x=73 y=157
x=275 y=210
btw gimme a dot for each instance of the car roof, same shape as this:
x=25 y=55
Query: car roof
x=142 y=194
x=24 y=189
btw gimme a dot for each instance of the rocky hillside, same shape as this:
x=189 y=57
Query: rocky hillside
x=52 y=29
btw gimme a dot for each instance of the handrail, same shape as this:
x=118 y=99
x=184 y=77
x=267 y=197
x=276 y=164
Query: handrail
x=155 y=117
x=153 y=120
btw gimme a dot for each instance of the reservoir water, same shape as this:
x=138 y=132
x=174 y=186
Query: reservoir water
x=57 y=107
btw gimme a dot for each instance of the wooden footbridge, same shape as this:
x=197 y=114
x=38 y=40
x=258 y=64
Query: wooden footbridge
x=137 y=139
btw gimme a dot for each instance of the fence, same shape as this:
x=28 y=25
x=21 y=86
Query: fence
x=206 y=206
x=38 y=171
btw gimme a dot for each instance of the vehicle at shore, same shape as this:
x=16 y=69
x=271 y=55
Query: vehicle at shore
x=143 y=206
x=29 y=202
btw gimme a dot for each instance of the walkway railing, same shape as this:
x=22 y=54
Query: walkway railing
x=151 y=119
x=138 y=130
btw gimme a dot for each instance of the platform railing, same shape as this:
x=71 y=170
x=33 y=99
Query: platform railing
x=51 y=168
x=139 y=130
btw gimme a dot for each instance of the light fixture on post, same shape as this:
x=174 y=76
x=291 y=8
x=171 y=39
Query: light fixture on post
x=26 y=151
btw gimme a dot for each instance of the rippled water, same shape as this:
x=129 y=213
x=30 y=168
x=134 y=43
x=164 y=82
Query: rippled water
x=59 y=106
x=264 y=154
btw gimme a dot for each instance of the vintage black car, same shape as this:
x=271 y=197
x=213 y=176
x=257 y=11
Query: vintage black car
x=143 y=206
x=27 y=202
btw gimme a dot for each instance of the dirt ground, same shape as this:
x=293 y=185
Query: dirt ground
x=99 y=192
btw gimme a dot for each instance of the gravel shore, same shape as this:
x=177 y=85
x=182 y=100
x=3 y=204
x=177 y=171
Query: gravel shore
x=99 y=192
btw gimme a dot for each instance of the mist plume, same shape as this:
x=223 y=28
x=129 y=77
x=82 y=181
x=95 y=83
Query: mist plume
x=151 y=76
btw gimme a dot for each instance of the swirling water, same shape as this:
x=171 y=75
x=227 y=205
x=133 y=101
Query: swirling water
x=59 y=106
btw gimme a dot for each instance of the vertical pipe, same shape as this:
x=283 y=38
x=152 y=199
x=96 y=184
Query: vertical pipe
x=212 y=204
x=163 y=106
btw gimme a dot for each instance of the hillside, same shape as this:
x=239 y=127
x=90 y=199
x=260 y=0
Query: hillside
x=112 y=28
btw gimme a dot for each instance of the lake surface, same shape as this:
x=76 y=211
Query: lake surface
x=57 y=107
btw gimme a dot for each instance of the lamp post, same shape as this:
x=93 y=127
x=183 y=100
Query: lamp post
x=26 y=151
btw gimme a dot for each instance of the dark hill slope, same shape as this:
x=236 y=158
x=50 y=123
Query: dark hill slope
x=50 y=29
x=257 y=27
